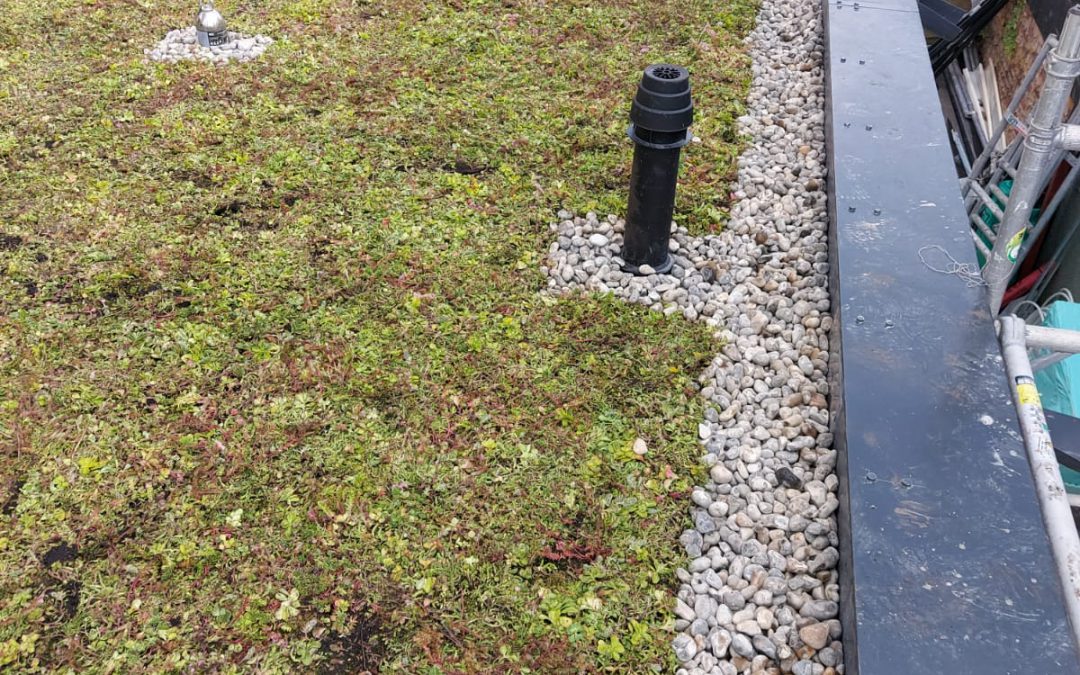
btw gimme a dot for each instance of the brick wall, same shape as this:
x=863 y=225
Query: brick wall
x=1012 y=64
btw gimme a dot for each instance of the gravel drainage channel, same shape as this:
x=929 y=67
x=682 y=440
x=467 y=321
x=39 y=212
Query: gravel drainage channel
x=760 y=591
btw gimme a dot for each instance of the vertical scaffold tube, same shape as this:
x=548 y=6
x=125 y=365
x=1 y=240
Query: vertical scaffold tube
x=1062 y=67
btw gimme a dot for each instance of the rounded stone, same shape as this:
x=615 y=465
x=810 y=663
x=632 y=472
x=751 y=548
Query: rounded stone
x=815 y=635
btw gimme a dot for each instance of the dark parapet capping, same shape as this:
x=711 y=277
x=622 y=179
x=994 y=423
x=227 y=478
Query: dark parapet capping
x=945 y=564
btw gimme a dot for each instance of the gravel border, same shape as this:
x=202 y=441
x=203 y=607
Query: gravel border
x=181 y=45
x=760 y=592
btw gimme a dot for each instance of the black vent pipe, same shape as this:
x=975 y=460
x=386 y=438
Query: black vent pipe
x=661 y=115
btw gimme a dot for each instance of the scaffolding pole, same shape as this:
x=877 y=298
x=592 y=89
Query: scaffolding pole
x=1053 y=500
x=1040 y=147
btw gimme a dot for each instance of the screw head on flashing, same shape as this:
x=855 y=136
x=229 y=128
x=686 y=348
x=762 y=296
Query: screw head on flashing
x=869 y=127
x=877 y=212
x=843 y=59
x=847 y=124
x=851 y=209
x=862 y=62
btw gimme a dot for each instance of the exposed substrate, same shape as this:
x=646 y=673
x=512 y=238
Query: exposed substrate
x=759 y=593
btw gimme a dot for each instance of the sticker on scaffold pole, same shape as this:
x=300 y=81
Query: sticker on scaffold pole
x=1026 y=392
x=1015 y=123
x=1012 y=249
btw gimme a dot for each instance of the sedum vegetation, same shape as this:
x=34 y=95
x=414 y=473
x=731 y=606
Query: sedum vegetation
x=277 y=388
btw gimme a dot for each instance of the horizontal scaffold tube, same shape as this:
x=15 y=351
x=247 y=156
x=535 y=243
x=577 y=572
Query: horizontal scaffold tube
x=1068 y=137
x=1054 y=339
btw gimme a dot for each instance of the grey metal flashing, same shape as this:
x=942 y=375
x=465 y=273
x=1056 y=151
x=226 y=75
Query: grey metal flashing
x=945 y=566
